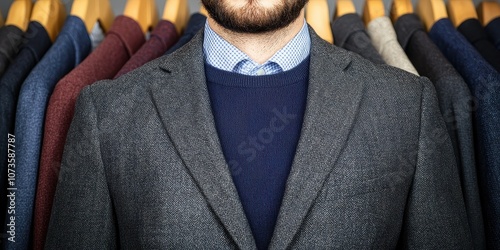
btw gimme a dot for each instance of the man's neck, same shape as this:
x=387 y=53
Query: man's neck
x=260 y=47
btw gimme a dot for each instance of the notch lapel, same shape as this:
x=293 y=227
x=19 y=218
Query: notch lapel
x=182 y=101
x=332 y=104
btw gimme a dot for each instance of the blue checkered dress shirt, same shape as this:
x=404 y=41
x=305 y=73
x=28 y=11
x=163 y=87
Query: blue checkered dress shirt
x=222 y=55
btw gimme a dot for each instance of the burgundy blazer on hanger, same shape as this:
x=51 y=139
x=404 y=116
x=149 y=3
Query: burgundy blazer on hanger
x=162 y=38
x=123 y=39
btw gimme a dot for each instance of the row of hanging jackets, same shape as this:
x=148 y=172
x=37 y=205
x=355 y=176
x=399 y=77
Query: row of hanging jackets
x=44 y=71
x=43 y=67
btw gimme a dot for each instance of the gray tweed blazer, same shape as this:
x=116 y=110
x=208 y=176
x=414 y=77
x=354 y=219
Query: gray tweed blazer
x=374 y=168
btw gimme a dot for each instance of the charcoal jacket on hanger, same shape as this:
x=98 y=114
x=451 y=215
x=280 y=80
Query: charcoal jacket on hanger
x=124 y=38
x=475 y=34
x=484 y=83
x=493 y=31
x=145 y=162
x=454 y=100
x=350 y=33
x=70 y=48
x=196 y=22
x=10 y=39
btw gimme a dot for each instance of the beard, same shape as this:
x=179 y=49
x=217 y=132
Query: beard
x=253 y=17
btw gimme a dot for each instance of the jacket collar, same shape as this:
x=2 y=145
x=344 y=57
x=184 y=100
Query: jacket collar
x=182 y=100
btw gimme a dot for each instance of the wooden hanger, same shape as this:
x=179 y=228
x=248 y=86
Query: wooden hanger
x=344 y=7
x=203 y=11
x=177 y=12
x=373 y=9
x=461 y=10
x=19 y=14
x=144 y=12
x=51 y=15
x=400 y=8
x=431 y=11
x=92 y=11
x=487 y=11
x=318 y=16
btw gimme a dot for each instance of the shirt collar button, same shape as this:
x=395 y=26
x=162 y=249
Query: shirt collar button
x=261 y=72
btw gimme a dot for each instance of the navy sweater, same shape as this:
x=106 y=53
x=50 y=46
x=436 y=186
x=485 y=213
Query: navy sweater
x=259 y=120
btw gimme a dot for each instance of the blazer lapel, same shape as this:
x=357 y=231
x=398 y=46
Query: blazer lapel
x=182 y=101
x=325 y=130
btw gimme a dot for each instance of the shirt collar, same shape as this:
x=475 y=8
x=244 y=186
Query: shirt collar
x=220 y=54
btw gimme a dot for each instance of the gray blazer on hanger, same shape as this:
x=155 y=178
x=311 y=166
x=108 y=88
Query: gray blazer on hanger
x=374 y=168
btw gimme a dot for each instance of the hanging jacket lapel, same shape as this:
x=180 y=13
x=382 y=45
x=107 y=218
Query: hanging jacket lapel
x=182 y=101
x=332 y=104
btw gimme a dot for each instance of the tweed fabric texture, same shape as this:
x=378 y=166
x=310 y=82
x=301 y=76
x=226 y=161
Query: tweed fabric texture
x=10 y=40
x=350 y=33
x=386 y=42
x=143 y=166
x=37 y=42
x=195 y=24
x=124 y=38
x=162 y=37
x=474 y=32
x=493 y=31
x=484 y=83
x=454 y=101
x=70 y=48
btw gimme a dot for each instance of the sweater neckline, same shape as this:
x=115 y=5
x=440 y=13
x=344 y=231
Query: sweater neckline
x=299 y=74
